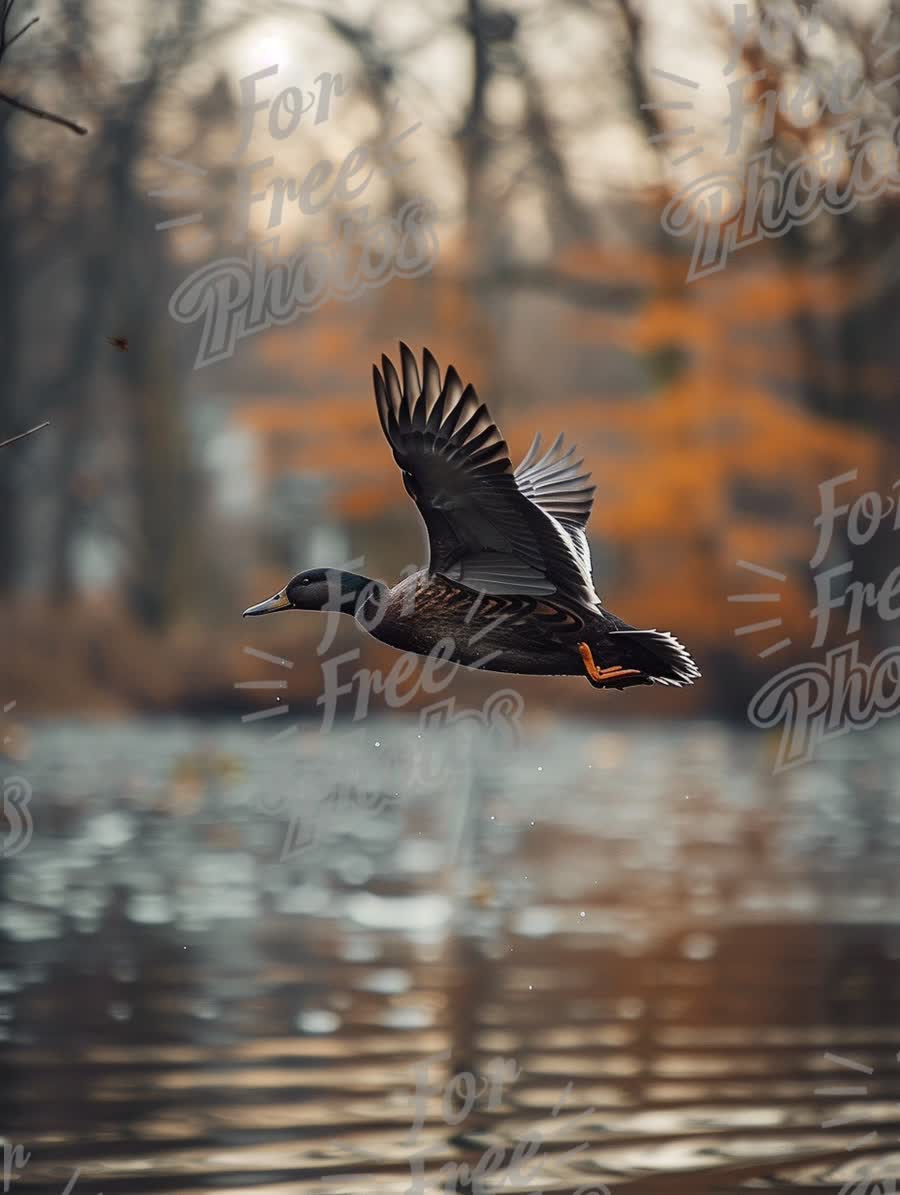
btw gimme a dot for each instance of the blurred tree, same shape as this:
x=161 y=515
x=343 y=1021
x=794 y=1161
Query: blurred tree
x=844 y=66
x=708 y=411
x=11 y=404
x=119 y=270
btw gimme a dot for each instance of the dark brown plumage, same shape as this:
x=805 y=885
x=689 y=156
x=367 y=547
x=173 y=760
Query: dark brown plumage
x=508 y=586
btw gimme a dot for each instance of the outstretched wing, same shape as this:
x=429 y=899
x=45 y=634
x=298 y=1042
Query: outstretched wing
x=562 y=491
x=483 y=531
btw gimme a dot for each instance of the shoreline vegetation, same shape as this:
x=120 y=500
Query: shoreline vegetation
x=97 y=660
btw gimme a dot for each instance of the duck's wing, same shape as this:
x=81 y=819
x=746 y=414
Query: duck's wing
x=556 y=483
x=483 y=530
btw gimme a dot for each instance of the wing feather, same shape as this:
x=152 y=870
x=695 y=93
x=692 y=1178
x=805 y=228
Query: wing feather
x=488 y=527
x=556 y=484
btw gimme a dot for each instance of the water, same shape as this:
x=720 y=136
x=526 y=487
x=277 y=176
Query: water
x=225 y=953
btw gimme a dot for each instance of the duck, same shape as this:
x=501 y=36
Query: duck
x=508 y=585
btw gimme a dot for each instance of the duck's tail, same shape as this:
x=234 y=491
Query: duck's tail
x=660 y=656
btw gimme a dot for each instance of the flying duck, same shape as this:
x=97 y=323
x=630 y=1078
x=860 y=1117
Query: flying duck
x=508 y=584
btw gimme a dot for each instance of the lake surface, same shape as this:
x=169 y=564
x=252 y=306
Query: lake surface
x=605 y=958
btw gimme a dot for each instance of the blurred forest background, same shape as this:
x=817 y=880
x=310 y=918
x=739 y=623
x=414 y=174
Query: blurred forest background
x=163 y=499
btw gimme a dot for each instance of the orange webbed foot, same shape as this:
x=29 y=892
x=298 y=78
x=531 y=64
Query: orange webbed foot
x=600 y=678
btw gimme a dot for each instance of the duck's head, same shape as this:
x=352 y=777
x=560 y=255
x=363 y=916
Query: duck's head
x=315 y=589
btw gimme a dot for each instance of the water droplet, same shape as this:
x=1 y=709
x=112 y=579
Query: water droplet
x=698 y=946
x=124 y=970
x=408 y=1017
x=390 y=981
x=318 y=1020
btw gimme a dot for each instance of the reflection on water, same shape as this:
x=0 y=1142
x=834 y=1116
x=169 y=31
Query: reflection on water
x=225 y=953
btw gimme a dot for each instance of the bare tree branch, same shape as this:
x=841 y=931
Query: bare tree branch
x=4 y=44
x=22 y=435
x=41 y=114
x=22 y=105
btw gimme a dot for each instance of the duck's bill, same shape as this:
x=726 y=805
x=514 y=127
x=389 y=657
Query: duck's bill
x=270 y=605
